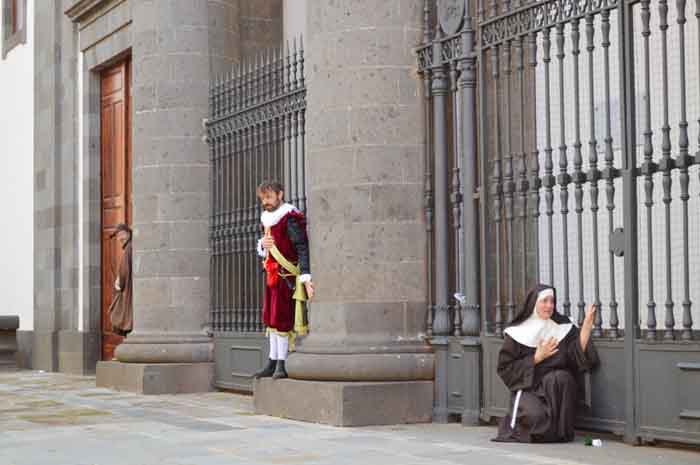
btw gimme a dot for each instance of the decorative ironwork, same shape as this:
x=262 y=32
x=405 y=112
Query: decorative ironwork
x=255 y=131
x=534 y=17
x=451 y=15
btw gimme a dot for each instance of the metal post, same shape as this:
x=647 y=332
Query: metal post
x=629 y=187
x=441 y=325
x=471 y=320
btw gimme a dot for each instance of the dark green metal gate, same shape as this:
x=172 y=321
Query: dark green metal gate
x=559 y=151
x=255 y=131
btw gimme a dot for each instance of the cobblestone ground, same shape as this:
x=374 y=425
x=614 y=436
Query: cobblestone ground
x=48 y=419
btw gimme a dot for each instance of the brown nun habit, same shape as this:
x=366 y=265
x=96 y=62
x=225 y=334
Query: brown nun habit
x=543 y=396
x=121 y=312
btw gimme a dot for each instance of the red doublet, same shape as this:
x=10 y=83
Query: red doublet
x=278 y=305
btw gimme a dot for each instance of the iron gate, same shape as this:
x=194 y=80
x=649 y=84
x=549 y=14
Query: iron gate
x=602 y=88
x=255 y=131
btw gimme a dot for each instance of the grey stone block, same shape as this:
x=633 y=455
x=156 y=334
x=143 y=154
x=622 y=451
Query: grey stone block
x=25 y=346
x=170 y=151
x=185 y=206
x=345 y=404
x=156 y=378
x=186 y=179
x=153 y=236
x=45 y=353
x=151 y=179
x=78 y=352
x=188 y=235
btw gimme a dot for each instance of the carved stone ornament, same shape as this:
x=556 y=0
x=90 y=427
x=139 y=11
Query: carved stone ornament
x=451 y=15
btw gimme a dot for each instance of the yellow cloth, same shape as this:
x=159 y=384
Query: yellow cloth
x=300 y=328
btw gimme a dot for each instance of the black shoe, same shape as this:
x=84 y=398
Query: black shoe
x=268 y=371
x=280 y=372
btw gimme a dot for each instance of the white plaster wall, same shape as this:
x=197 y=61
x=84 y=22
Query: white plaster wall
x=295 y=18
x=16 y=179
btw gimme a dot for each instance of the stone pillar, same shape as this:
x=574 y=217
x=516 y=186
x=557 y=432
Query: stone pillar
x=364 y=139
x=178 y=48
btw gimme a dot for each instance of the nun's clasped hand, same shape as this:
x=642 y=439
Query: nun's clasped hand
x=546 y=349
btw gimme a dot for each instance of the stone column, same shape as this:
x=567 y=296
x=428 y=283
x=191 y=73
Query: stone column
x=178 y=48
x=364 y=139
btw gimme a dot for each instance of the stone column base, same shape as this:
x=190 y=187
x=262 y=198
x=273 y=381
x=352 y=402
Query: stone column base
x=345 y=403
x=156 y=378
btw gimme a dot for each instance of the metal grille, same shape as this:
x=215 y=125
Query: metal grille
x=255 y=132
x=586 y=148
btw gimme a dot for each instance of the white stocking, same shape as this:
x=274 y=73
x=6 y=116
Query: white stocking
x=273 y=346
x=282 y=347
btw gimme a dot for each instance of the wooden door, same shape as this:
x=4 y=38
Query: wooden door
x=115 y=123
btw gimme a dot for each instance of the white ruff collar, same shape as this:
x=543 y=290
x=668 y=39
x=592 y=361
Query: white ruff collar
x=269 y=219
x=535 y=330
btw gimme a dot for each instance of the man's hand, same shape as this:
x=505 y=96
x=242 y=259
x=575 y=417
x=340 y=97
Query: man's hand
x=546 y=349
x=309 y=290
x=268 y=242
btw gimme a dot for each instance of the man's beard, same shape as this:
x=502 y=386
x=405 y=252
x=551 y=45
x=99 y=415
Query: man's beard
x=268 y=207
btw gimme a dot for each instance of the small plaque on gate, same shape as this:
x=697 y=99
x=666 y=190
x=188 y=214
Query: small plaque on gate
x=617 y=242
x=450 y=14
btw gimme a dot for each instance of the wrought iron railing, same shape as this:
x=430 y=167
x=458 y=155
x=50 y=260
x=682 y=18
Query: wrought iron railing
x=550 y=139
x=255 y=132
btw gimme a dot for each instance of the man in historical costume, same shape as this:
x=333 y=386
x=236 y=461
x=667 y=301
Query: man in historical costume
x=543 y=358
x=121 y=312
x=285 y=252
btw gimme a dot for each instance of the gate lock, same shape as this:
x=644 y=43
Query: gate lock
x=617 y=242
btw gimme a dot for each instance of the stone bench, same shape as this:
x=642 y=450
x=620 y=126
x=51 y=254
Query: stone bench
x=9 y=324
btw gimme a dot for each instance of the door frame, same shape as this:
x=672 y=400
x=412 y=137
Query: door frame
x=90 y=191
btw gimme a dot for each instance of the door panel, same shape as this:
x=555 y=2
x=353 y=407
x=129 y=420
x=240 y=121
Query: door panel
x=116 y=184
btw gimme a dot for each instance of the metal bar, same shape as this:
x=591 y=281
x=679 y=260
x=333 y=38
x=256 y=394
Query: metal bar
x=456 y=196
x=579 y=176
x=648 y=168
x=684 y=162
x=535 y=182
x=302 y=129
x=483 y=105
x=293 y=158
x=548 y=181
x=627 y=83
x=238 y=274
x=254 y=227
x=610 y=172
x=250 y=219
x=523 y=185
x=470 y=234
x=594 y=172
x=302 y=143
x=508 y=184
x=564 y=179
x=427 y=179
x=697 y=155
x=229 y=212
x=667 y=165
x=302 y=82
x=497 y=188
x=441 y=324
x=212 y=258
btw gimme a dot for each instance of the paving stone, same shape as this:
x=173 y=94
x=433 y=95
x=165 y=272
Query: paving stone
x=57 y=419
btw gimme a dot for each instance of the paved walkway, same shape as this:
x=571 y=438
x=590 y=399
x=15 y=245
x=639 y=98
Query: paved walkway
x=50 y=419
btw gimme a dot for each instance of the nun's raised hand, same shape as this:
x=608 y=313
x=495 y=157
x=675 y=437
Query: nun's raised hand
x=590 y=316
x=546 y=349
